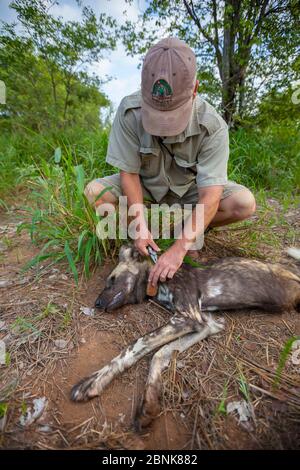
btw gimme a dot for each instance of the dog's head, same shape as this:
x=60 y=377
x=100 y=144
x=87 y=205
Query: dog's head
x=127 y=283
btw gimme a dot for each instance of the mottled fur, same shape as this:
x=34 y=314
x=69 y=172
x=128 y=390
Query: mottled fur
x=230 y=283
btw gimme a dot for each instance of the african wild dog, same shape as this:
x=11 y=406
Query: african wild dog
x=229 y=283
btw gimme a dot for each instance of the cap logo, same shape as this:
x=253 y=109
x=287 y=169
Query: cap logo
x=162 y=93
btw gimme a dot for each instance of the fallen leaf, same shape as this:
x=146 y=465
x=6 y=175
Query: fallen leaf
x=90 y=312
x=29 y=417
x=60 y=343
x=244 y=409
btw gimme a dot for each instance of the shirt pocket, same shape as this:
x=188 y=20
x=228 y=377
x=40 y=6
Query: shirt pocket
x=149 y=161
x=186 y=167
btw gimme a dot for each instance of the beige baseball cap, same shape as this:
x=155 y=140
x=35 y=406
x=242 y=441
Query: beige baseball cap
x=168 y=81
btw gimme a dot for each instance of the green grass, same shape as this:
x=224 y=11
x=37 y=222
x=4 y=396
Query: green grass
x=33 y=325
x=267 y=159
x=61 y=220
x=3 y=409
x=22 y=156
x=221 y=408
x=55 y=170
x=244 y=387
x=284 y=354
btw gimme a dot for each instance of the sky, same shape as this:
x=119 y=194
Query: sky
x=123 y=69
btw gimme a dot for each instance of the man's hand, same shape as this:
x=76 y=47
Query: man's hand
x=172 y=259
x=142 y=243
x=167 y=265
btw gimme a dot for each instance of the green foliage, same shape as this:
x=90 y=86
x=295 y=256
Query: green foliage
x=7 y=359
x=62 y=221
x=244 y=387
x=22 y=325
x=3 y=409
x=283 y=358
x=34 y=326
x=50 y=309
x=209 y=85
x=57 y=169
x=266 y=158
x=52 y=141
x=188 y=260
x=21 y=153
x=24 y=408
x=278 y=106
x=70 y=259
x=243 y=48
x=221 y=409
x=44 y=66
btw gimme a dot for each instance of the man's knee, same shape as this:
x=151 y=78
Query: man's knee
x=242 y=205
x=94 y=189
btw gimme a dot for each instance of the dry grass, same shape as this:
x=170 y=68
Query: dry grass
x=196 y=388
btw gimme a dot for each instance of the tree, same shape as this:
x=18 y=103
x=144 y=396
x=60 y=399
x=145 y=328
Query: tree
x=45 y=66
x=245 y=44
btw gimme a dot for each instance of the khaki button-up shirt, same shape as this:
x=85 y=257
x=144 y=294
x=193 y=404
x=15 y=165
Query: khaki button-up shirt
x=199 y=154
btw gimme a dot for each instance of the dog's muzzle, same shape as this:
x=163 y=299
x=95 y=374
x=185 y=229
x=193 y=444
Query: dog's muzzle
x=109 y=303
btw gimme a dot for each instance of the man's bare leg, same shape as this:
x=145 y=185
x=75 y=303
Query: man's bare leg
x=92 y=191
x=238 y=206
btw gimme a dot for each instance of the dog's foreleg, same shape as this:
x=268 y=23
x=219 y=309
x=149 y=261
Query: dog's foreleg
x=93 y=385
x=150 y=405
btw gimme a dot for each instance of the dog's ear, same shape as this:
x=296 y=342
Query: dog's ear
x=129 y=253
x=125 y=253
x=135 y=254
x=141 y=285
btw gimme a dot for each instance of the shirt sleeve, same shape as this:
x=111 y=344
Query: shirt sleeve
x=123 y=145
x=213 y=159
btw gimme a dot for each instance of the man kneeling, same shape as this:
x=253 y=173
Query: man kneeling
x=171 y=146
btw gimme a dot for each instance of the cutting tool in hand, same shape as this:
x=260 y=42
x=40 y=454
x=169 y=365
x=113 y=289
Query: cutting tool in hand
x=152 y=254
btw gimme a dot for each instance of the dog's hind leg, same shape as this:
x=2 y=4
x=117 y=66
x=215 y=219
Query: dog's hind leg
x=150 y=405
x=93 y=385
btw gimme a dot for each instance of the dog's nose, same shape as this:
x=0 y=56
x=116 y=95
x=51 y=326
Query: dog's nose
x=100 y=302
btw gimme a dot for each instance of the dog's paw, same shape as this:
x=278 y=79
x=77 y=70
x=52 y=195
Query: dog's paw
x=145 y=415
x=85 y=389
x=215 y=324
x=149 y=407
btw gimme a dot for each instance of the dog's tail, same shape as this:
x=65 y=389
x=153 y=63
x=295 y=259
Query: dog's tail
x=294 y=253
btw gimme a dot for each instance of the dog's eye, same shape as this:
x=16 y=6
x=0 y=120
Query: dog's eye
x=112 y=279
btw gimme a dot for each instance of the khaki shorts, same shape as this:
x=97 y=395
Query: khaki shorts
x=190 y=197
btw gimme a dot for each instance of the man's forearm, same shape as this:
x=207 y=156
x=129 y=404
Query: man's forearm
x=170 y=261
x=131 y=187
x=195 y=224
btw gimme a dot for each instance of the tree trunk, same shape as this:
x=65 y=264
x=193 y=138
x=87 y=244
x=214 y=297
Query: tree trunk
x=229 y=92
x=242 y=22
x=228 y=79
x=241 y=96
